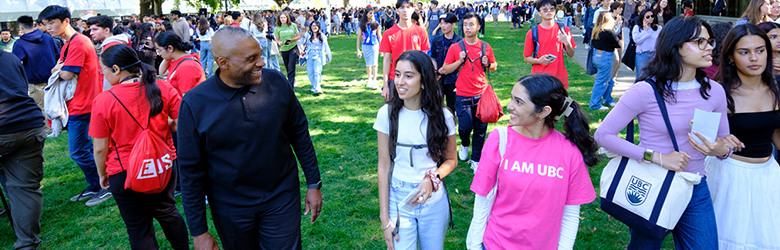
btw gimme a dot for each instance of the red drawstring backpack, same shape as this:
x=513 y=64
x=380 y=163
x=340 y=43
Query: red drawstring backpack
x=489 y=109
x=150 y=160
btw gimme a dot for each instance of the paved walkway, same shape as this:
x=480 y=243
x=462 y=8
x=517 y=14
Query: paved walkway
x=625 y=77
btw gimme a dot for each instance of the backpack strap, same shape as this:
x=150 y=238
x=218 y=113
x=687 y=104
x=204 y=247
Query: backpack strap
x=502 y=132
x=177 y=65
x=535 y=37
x=67 y=48
x=116 y=149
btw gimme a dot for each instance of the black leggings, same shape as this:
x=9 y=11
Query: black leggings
x=290 y=59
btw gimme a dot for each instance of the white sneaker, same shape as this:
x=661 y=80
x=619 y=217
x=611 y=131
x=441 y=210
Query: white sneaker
x=474 y=165
x=463 y=153
x=371 y=84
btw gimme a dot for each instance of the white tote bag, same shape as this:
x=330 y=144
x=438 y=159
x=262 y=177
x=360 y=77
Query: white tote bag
x=483 y=204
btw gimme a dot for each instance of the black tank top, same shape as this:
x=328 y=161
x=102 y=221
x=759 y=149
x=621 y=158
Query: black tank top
x=755 y=131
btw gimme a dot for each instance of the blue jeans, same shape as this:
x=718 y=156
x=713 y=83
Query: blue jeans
x=206 y=58
x=695 y=230
x=348 y=27
x=641 y=61
x=602 y=88
x=314 y=70
x=80 y=149
x=466 y=110
x=271 y=62
x=426 y=224
x=568 y=21
x=586 y=37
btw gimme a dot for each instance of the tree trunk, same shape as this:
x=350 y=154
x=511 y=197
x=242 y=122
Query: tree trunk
x=145 y=7
x=346 y=3
x=158 y=7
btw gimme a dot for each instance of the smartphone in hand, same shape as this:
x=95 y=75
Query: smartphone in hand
x=550 y=57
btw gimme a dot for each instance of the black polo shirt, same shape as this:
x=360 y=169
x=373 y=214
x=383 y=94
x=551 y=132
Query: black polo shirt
x=236 y=146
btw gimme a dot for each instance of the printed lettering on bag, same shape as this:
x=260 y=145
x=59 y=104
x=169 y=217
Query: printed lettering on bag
x=152 y=167
x=637 y=190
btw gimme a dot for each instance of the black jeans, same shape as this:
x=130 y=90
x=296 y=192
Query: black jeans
x=275 y=228
x=468 y=122
x=21 y=159
x=448 y=90
x=290 y=59
x=138 y=209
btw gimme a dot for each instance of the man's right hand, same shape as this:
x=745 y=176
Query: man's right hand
x=386 y=92
x=205 y=242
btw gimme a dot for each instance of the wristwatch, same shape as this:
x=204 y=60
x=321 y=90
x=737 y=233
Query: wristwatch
x=317 y=185
x=648 y=157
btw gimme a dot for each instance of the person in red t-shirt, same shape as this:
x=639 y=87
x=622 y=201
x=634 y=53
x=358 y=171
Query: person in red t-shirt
x=78 y=59
x=470 y=85
x=553 y=40
x=688 y=8
x=119 y=117
x=398 y=39
x=184 y=70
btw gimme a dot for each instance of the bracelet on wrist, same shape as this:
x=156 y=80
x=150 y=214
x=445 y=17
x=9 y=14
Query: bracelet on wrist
x=389 y=223
x=434 y=177
x=727 y=155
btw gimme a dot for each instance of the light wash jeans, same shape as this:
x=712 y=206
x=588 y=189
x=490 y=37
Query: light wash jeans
x=602 y=88
x=426 y=225
x=271 y=62
x=641 y=60
x=314 y=70
x=568 y=19
x=207 y=58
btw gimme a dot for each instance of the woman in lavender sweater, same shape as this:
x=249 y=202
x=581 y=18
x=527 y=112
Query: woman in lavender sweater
x=684 y=48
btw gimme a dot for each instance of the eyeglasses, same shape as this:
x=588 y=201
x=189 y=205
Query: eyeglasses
x=649 y=17
x=703 y=42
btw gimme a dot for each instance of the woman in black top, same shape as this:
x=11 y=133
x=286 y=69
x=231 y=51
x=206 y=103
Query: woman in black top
x=743 y=185
x=663 y=10
x=604 y=41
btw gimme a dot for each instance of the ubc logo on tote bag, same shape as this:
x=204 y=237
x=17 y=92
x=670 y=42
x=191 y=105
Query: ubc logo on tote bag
x=637 y=190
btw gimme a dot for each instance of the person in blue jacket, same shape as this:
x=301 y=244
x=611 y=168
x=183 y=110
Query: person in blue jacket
x=38 y=54
x=588 y=19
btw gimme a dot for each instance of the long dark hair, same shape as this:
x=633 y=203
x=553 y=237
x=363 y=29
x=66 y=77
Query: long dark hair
x=313 y=34
x=126 y=59
x=203 y=26
x=545 y=90
x=653 y=25
x=169 y=38
x=719 y=31
x=666 y=65
x=431 y=103
x=364 y=20
x=728 y=74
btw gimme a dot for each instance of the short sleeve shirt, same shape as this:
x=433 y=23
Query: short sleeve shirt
x=412 y=130
x=537 y=178
x=396 y=41
x=188 y=75
x=110 y=120
x=471 y=77
x=549 y=44
x=284 y=33
x=82 y=60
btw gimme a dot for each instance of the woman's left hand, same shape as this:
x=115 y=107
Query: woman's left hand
x=718 y=148
x=103 y=181
x=426 y=189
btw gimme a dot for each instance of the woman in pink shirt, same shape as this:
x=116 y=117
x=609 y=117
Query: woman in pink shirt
x=683 y=49
x=542 y=177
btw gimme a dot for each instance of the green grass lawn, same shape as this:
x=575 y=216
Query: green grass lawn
x=340 y=124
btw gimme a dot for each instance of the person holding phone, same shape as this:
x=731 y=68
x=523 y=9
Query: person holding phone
x=286 y=34
x=420 y=132
x=553 y=40
x=604 y=42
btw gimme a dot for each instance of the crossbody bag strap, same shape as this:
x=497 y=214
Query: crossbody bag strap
x=128 y=112
x=67 y=48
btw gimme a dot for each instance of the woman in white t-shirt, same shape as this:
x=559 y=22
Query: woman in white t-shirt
x=420 y=132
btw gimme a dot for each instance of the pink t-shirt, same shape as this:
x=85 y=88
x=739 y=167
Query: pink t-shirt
x=537 y=178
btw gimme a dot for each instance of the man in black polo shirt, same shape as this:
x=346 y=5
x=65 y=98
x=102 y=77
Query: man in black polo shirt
x=21 y=151
x=440 y=46
x=237 y=133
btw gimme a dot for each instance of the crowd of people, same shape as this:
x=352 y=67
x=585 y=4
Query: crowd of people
x=204 y=82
